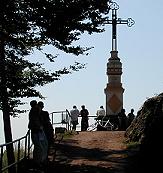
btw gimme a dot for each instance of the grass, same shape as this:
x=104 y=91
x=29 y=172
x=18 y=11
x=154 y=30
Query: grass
x=5 y=160
x=132 y=145
x=66 y=134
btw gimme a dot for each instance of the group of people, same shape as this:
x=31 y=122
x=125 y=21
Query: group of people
x=75 y=113
x=121 y=120
x=125 y=120
x=42 y=134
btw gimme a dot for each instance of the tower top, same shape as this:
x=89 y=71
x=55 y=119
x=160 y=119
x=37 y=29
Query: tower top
x=114 y=7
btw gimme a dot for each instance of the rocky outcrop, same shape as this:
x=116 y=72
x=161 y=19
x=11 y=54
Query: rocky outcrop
x=147 y=127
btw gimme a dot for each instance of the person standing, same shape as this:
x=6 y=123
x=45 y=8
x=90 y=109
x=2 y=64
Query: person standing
x=122 y=119
x=84 y=121
x=74 y=114
x=47 y=126
x=130 y=117
x=38 y=136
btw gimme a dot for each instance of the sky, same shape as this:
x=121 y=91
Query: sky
x=140 y=50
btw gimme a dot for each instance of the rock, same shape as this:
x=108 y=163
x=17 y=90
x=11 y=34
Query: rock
x=147 y=127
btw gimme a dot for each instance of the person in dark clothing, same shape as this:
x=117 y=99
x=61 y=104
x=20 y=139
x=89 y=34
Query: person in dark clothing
x=84 y=121
x=130 y=117
x=47 y=126
x=38 y=137
x=122 y=120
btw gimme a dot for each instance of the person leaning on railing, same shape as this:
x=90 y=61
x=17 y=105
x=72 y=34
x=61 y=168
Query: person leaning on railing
x=74 y=114
x=100 y=113
x=84 y=121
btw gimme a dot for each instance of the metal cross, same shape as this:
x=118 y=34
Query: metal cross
x=114 y=7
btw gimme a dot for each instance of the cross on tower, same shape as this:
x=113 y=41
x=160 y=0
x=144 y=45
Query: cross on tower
x=114 y=7
x=114 y=90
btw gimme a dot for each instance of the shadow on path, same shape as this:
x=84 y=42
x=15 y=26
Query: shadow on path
x=73 y=159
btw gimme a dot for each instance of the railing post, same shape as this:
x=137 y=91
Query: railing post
x=25 y=148
x=1 y=159
x=18 y=157
x=29 y=136
x=52 y=119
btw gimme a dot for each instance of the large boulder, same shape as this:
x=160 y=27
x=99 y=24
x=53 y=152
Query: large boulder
x=147 y=127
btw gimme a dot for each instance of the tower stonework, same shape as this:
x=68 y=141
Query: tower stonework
x=114 y=90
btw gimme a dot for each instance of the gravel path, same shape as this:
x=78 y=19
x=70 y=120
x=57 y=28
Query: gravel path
x=94 y=152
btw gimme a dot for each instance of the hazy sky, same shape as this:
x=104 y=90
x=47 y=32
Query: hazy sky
x=140 y=49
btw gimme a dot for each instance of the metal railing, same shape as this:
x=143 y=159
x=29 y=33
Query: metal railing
x=61 y=118
x=22 y=150
x=23 y=145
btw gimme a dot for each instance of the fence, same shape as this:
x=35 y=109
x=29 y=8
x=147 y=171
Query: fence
x=23 y=145
x=61 y=118
x=22 y=149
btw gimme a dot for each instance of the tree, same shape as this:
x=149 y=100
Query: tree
x=26 y=25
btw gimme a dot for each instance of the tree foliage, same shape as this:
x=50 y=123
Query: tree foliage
x=26 y=25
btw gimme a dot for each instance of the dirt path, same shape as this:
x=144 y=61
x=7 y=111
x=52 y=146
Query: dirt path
x=94 y=152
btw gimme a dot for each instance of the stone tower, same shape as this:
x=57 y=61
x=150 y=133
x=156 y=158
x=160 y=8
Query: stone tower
x=114 y=90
